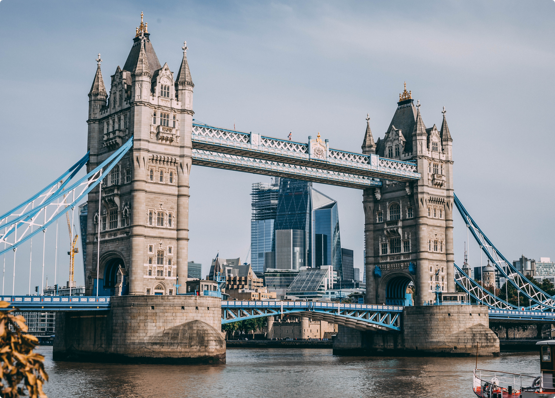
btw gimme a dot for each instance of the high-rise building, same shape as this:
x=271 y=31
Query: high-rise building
x=264 y=207
x=194 y=270
x=356 y=273
x=347 y=265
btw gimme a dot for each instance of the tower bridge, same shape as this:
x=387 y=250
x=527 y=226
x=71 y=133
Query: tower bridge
x=142 y=144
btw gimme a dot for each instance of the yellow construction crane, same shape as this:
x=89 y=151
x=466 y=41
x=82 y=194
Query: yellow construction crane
x=73 y=249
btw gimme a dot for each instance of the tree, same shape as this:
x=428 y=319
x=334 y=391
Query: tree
x=22 y=370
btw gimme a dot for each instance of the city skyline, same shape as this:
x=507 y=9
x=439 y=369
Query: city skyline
x=490 y=109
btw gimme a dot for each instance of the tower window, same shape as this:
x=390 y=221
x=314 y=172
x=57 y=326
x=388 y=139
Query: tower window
x=150 y=271
x=435 y=245
x=150 y=248
x=410 y=212
x=169 y=262
x=160 y=219
x=154 y=118
x=160 y=272
x=114 y=176
x=384 y=248
x=396 y=150
x=173 y=121
x=151 y=175
x=435 y=213
x=380 y=216
x=441 y=250
x=395 y=245
x=428 y=212
x=165 y=91
x=171 y=176
x=161 y=175
x=170 y=249
x=435 y=147
x=160 y=257
x=440 y=213
x=104 y=219
x=436 y=168
x=390 y=152
x=165 y=119
x=170 y=274
x=406 y=246
x=394 y=212
x=150 y=217
x=170 y=221
x=150 y=260
x=113 y=218
x=430 y=245
x=127 y=176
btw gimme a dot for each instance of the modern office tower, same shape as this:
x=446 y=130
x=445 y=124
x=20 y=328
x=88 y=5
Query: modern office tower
x=347 y=271
x=194 y=270
x=327 y=241
x=356 y=272
x=294 y=213
x=264 y=207
x=289 y=250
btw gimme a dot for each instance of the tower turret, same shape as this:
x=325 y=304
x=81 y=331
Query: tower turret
x=184 y=83
x=97 y=94
x=368 y=145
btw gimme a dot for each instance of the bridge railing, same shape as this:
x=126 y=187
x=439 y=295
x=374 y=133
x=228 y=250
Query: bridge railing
x=56 y=302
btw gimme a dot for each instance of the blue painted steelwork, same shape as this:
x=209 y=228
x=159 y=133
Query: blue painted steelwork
x=542 y=300
x=59 y=202
x=522 y=315
x=358 y=316
x=478 y=293
x=57 y=303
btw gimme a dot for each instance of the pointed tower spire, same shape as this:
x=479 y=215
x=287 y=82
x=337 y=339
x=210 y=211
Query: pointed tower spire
x=97 y=88
x=142 y=67
x=368 y=145
x=445 y=134
x=419 y=127
x=184 y=75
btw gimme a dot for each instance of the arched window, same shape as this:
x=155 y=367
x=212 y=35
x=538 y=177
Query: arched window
x=396 y=150
x=431 y=270
x=161 y=176
x=160 y=257
x=150 y=217
x=151 y=175
x=380 y=216
x=171 y=177
x=394 y=212
x=159 y=290
x=435 y=245
x=390 y=152
x=154 y=118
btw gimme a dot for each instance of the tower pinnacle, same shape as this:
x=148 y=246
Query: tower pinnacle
x=368 y=145
x=143 y=27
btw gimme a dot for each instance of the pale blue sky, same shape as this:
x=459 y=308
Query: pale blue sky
x=275 y=67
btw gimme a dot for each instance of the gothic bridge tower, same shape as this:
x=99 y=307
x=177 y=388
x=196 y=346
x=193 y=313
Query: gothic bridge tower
x=145 y=200
x=409 y=226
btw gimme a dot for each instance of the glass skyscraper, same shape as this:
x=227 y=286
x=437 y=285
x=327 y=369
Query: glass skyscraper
x=264 y=206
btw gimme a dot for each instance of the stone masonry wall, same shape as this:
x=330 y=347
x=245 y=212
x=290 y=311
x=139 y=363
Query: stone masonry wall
x=182 y=329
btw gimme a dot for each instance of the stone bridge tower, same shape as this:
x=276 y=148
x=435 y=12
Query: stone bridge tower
x=145 y=200
x=409 y=226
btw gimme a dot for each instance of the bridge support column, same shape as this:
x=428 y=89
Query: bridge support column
x=155 y=329
x=427 y=331
x=304 y=328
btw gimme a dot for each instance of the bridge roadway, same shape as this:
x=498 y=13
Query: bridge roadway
x=357 y=316
x=312 y=161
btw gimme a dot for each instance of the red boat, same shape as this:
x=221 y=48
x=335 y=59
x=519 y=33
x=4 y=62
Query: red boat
x=496 y=384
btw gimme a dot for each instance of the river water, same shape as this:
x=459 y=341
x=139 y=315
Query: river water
x=287 y=372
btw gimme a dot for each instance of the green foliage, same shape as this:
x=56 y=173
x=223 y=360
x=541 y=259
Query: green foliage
x=246 y=326
x=22 y=371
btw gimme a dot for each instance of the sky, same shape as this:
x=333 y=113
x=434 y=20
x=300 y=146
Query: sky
x=276 y=67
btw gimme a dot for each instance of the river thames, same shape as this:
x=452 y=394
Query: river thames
x=280 y=373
